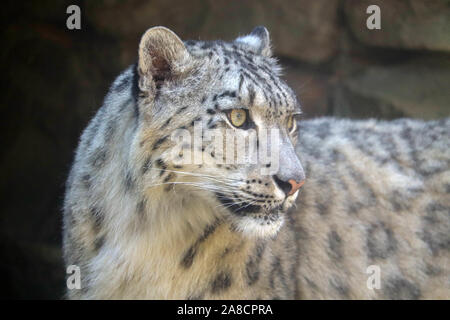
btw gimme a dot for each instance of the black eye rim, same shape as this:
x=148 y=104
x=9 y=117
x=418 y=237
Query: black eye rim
x=248 y=124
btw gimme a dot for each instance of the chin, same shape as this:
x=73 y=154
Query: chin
x=259 y=225
x=255 y=220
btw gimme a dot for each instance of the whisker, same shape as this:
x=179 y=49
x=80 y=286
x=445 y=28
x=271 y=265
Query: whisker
x=197 y=174
x=202 y=176
x=202 y=186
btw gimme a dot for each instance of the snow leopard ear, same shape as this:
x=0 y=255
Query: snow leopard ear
x=162 y=56
x=259 y=40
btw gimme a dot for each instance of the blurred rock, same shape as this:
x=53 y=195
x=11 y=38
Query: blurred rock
x=305 y=30
x=417 y=89
x=407 y=24
x=311 y=85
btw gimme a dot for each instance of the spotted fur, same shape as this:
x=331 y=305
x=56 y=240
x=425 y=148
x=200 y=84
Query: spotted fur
x=384 y=184
x=143 y=227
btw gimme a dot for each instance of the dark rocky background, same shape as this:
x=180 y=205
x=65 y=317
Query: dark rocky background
x=54 y=79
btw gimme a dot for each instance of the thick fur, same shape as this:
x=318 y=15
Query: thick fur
x=141 y=227
x=377 y=193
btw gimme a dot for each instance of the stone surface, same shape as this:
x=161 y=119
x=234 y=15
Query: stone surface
x=417 y=89
x=305 y=30
x=311 y=84
x=407 y=24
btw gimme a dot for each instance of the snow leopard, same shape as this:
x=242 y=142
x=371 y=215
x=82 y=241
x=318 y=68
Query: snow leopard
x=352 y=209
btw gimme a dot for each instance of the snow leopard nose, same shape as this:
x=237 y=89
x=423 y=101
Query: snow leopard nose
x=289 y=187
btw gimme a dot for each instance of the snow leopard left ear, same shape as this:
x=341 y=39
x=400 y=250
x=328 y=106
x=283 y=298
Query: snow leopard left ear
x=259 y=40
x=162 y=57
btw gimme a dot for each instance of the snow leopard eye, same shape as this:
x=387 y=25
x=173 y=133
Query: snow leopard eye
x=238 y=117
x=292 y=122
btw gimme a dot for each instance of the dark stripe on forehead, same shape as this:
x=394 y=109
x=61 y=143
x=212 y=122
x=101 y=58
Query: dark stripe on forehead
x=263 y=83
x=241 y=80
x=251 y=94
x=275 y=81
x=255 y=83
x=227 y=93
x=268 y=87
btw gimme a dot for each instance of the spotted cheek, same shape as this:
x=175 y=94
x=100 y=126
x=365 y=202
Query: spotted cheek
x=261 y=190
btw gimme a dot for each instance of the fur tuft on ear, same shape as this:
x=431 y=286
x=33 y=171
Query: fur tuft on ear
x=259 y=40
x=162 y=55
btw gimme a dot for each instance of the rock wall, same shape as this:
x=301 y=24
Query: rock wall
x=54 y=79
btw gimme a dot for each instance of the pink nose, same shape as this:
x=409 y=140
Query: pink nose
x=295 y=186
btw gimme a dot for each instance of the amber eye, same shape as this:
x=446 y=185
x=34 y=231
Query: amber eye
x=237 y=117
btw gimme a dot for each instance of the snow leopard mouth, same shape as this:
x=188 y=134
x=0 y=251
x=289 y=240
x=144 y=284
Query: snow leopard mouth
x=243 y=208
